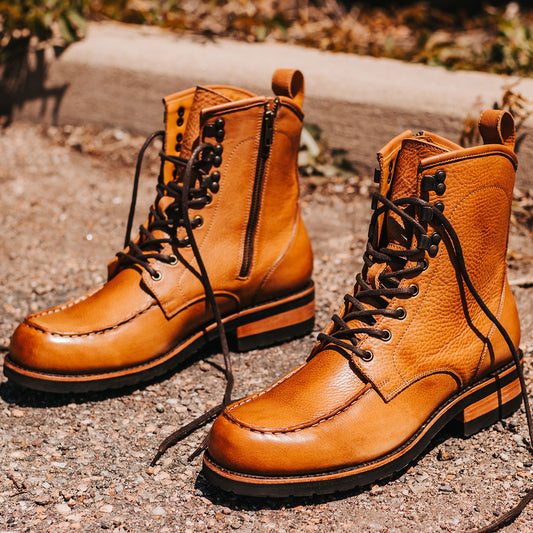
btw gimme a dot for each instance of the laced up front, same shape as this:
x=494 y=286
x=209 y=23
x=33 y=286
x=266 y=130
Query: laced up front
x=190 y=190
x=372 y=300
x=385 y=287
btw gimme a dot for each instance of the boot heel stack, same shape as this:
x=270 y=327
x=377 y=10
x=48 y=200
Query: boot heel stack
x=498 y=398
x=276 y=322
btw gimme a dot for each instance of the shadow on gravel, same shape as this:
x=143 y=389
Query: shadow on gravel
x=14 y=394
x=247 y=503
x=23 y=79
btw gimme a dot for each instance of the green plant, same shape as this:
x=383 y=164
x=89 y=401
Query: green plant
x=25 y=24
x=28 y=30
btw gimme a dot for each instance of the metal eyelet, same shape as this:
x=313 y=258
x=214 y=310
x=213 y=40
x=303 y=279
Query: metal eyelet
x=156 y=276
x=387 y=335
x=425 y=263
x=403 y=313
x=173 y=259
x=414 y=288
x=368 y=356
x=197 y=221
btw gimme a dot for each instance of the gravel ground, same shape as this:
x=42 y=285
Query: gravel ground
x=81 y=462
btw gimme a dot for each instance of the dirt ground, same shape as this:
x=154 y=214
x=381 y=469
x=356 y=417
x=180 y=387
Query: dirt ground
x=82 y=462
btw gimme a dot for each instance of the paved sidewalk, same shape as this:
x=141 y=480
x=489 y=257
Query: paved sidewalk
x=119 y=74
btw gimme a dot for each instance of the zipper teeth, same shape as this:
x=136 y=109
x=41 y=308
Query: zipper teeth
x=262 y=157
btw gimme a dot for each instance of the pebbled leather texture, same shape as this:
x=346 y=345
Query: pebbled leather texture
x=337 y=410
x=134 y=319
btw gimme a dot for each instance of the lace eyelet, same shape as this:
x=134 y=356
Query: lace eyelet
x=414 y=288
x=156 y=276
x=402 y=313
x=197 y=221
x=425 y=264
x=387 y=335
x=367 y=357
x=173 y=260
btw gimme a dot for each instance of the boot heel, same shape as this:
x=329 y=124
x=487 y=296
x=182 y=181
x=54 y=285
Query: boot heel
x=495 y=400
x=276 y=322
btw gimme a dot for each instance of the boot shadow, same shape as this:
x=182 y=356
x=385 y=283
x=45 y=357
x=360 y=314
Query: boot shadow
x=23 y=79
x=250 y=503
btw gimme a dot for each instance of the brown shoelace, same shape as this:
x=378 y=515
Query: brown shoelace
x=376 y=299
x=190 y=190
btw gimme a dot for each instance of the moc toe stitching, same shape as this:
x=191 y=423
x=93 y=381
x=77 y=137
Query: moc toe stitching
x=97 y=332
x=300 y=427
x=67 y=305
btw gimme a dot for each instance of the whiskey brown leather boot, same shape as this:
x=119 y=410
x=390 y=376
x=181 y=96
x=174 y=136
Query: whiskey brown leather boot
x=223 y=247
x=429 y=335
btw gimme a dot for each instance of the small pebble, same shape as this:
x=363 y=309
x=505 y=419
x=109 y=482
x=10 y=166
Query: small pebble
x=62 y=509
x=42 y=499
x=444 y=455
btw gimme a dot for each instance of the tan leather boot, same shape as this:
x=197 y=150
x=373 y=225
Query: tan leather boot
x=429 y=335
x=225 y=222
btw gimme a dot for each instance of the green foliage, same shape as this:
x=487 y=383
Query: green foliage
x=497 y=39
x=500 y=41
x=24 y=23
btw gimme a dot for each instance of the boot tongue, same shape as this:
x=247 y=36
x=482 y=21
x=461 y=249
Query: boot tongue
x=405 y=184
x=203 y=98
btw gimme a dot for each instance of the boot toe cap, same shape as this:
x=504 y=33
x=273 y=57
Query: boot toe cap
x=36 y=348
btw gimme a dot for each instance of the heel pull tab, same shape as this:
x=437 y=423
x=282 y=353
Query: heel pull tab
x=497 y=127
x=289 y=83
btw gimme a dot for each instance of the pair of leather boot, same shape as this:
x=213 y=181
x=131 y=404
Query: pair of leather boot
x=429 y=334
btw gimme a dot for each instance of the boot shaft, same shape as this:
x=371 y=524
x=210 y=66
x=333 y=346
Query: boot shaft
x=250 y=233
x=444 y=329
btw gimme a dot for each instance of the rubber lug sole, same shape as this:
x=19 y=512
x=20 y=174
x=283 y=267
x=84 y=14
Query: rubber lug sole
x=478 y=406
x=256 y=327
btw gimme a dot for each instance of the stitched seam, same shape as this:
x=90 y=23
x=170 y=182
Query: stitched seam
x=405 y=382
x=492 y=330
x=294 y=430
x=67 y=305
x=278 y=261
x=472 y=156
x=98 y=332
x=432 y=417
x=131 y=367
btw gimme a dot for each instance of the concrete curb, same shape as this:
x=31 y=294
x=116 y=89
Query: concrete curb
x=119 y=73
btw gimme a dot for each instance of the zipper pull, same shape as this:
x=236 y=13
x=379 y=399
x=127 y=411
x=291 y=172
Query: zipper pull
x=268 y=132
x=268 y=128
